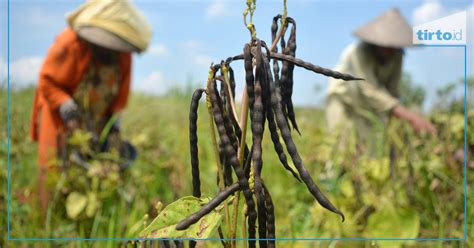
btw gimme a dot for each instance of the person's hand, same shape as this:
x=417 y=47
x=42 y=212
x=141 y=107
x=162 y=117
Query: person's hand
x=72 y=124
x=420 y=124
x=69 y=113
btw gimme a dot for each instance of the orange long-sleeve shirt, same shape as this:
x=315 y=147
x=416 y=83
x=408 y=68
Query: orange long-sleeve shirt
x=65 y=65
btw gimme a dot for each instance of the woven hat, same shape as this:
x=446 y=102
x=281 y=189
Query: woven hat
x=111 y=24
x=105 y=39
x=388 y=30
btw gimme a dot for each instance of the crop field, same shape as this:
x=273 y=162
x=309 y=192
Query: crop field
x=415 y=191
x=245 y=156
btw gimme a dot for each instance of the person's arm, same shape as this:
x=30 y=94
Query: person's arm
x=383 y=102
x=56 y=75
x=419 y=123
x=122 y=98
x=55 y=84
x=380 y=99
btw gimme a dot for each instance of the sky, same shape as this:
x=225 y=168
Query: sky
x=188 y=35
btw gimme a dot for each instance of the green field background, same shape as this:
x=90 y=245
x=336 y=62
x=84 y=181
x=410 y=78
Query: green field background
x=431 y=205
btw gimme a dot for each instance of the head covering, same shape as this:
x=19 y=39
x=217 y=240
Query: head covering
x=117 y=25
x=388 y=30
x=105 y=38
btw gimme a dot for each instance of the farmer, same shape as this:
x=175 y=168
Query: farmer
x=359 y=105
x=85 y=78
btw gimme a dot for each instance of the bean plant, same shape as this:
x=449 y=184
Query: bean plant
x=269 y=91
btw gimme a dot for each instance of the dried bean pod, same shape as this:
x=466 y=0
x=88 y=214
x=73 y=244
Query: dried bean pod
x=215 y=67
x=233 y=130
x=249 y=78
x=282 y=90
x=228 y=108
x=283 y=42
x=193 y=141
x=235 y=122
x=284 y=68
x=248 y=163
x=232 y=156
x=193 y=144
x=276 y=71
x=223 y=92
x=224 y=103
x=308 y=66
x=314 y=68
x=270 y=217
x=272 y=126
x=226 y=167
x=225 y=114
x=232 y=81
x=288 y=86
x=274 y=30
x=293 y=152
x=211 y=205
x=283 y=83
x=257 y=121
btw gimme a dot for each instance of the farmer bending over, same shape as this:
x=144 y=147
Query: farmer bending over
x=355 y=105
x=85 y=78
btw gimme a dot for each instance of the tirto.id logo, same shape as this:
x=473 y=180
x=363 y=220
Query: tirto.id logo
x=439 y=35
x=447 y=30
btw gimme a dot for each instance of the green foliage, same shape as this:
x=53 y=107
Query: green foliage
x=404 y=223
x=410 y=93
x=431 y=205
x=451 y=96
x=91 y=178
x=80 y=138
x=75 y=204
x=163 y=226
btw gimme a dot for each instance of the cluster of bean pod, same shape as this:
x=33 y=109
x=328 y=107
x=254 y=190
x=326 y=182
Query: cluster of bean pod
x=269 y=94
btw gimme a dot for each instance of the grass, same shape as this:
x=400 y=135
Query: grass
x=158 y=126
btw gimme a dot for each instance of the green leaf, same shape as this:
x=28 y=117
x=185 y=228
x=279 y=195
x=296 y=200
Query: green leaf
x=163 y=226
x=75 y=204
x=383 y=223
x=377 y=169
x=93 y=204
x=389 y=222
x=411 y=223
x=345 y=185
x=80 y=137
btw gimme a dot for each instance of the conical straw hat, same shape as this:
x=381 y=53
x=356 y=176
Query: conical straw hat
x=388 y=30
